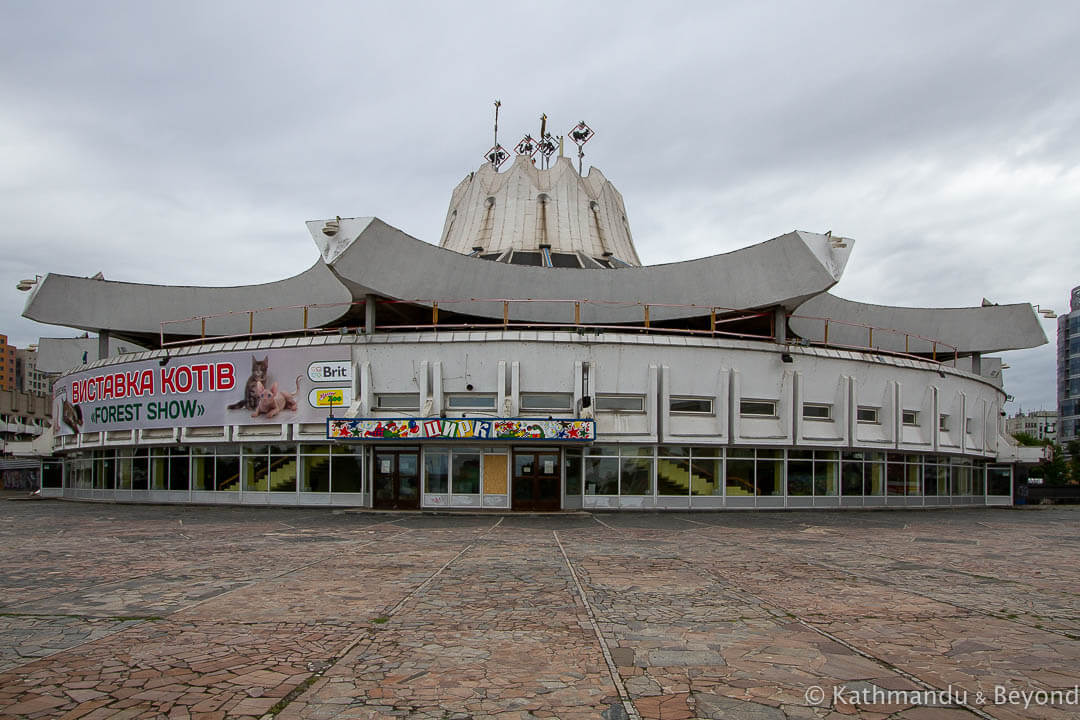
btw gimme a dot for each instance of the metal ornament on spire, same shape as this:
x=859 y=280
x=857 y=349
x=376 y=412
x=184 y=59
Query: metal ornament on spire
x=547 y=147
x=497 y=155
x=581 y=134
x=527 y=146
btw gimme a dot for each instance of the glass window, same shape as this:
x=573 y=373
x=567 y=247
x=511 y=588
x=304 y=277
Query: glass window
x=227 y=470
x=436 y=471
x=673 y=476
x=347 y=469
x=867 y=414
x=800 y=473
x=895 y=474
x=159 y=468
x=851 y=474
x=769 y=472
x=282 y=477
x=760 y=408
x=969 y=426
x=397 y=401
x=740 y=472
x=913 y=475
x=706 y=476
x=315 y=472
x=179 y=473
x=106 y=470
x=572 y=465
x=943 y=475
x=817 y=411
x=140 y=478
x=910 y=417
x=202 y=468
x=546 y=401
x=256 y=465
x=465 y=479
x=636 y=451
x=978 y=480
x=471 y=401
x=825 y=474
x=691 y=405
x=673 y=451
x=998 y=480
x=943 y=423
x=52 y=474
x=620 y=403
x=636 y=476
x=601 y=475
x=930 y=479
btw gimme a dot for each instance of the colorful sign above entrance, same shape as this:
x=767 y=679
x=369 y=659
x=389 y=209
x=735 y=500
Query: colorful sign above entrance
x=460 y=429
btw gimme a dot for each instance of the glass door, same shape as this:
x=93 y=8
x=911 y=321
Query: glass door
x=537 y=480
x=396 y=479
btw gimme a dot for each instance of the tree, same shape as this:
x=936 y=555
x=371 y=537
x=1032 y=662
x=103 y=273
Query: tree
x=1074 y=460
x=1053 y=471
x=1029 y=440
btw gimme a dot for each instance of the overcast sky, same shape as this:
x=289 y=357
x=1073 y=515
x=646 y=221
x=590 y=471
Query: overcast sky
x=188 y=142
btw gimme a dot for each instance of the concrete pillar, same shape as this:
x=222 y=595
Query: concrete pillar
x=369 y=314
x=780 y=325
x=103 y=344
x=976 y=363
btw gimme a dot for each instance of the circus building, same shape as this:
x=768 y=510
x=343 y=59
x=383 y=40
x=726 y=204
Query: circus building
x=530 y=361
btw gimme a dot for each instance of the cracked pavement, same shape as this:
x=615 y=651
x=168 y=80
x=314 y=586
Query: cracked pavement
x=212 y=612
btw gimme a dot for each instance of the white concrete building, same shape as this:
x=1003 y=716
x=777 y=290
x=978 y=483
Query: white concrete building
x=1039 y=424
x=531 y=362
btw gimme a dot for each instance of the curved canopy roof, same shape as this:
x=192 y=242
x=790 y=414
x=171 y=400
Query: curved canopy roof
x=536 y=211
x=370 y=257
x=991 y=328
x=135 y=311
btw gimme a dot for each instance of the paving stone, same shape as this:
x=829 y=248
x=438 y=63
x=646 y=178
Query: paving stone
x=718 y=707
x=133 y=611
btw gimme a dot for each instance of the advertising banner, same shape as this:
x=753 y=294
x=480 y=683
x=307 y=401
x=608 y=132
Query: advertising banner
x=283 y=385
x=460 y=429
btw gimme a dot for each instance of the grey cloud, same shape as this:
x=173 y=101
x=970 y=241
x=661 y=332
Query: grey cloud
x=189 y=142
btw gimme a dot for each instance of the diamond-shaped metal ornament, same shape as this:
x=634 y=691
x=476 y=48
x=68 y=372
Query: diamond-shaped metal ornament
x=497 y=155
x=581 y=133
x=547 y=145
x=527 y=146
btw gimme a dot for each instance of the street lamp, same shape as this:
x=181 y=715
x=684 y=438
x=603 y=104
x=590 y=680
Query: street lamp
x=26 y=283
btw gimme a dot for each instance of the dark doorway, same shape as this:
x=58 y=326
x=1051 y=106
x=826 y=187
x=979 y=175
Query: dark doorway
x=396 y=475
x=537 y=480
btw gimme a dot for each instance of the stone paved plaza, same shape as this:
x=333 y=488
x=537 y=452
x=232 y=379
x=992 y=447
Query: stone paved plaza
x=137 y=611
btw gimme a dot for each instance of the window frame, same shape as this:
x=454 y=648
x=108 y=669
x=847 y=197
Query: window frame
x=692 y=398
x=566 y=407
x=380 y=406
x=451 y=397
x=913 y=414
x=827 y=407
x=872 y=409
x=601 y=397
x=774 y=406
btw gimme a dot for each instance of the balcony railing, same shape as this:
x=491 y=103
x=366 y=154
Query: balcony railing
x=701 y=320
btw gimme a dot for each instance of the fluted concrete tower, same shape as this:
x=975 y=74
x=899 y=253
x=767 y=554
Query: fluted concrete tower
x=529 y=216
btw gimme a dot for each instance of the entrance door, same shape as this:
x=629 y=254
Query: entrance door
x=536 y=480
x=396 y=479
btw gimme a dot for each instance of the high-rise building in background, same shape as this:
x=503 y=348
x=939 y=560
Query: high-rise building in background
x=7 y=364
x=1068 y=371
x=28 y=378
